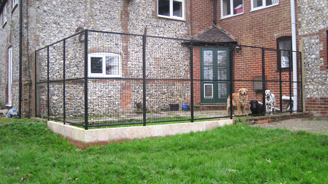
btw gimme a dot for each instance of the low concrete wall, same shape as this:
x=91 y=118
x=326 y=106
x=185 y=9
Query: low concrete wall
x=85 y=138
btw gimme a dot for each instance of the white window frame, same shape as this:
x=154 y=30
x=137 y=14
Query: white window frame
x=4 y=15
x=171 y=10
x=263 y=5
x=10 y=76
x=208 y=97
x=15 y=2
x=103 y=74
x=231 y=10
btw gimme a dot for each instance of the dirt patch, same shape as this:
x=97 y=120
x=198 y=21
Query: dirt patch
x=307 y=124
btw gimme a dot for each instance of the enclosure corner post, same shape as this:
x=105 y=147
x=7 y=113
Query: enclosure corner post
x=191 y=81
x=86 y=80
x=20 y=58
x=263 y=80
x=64 y=84
x=144 y=37
x=35 y=86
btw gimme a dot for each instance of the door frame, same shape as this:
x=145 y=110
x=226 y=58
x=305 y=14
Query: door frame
x=214 y=82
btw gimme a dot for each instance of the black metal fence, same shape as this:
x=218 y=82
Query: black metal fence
x=96 y=78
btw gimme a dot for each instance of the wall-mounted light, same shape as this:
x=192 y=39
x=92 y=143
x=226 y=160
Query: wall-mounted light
x=238 y=48
x=81 y=36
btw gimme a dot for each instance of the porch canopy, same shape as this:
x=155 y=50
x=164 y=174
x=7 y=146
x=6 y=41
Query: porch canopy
x=213 y=35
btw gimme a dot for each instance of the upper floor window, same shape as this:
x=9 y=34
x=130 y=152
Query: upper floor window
x=14 y=3
x=258 y=4
x=171 y=9
x=4 y=15
x=104 y=65
x=231 y=7
x=284 y=46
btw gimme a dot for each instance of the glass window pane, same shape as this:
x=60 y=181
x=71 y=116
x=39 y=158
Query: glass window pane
x=208 y=73
x=222 y=71
x=177 y=9
x=208 y=57
x=164 y=7
x=222 y=57
x=208 y=91
x=112 y=65
x=285 y=55
x=238 y=6
x=271 y=2
x=222 y=90
x=275 y=1
x=257 y=3
x=226 y=7
x=96 y=65
x=284 y=61
x=268 y=2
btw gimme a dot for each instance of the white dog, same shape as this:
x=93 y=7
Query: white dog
x=270 y=101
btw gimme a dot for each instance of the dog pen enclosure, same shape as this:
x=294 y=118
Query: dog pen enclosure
x=96 y=78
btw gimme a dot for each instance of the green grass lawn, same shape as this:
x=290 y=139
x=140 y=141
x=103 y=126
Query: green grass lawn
x=31 y=153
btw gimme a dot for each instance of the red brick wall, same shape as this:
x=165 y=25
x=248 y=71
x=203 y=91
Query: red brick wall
x=196 y=68
x=319 y=106
x=258 y=28
x=201 y=15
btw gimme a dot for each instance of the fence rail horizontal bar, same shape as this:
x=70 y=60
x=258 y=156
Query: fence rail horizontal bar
x=201 y=80
x=160 y=77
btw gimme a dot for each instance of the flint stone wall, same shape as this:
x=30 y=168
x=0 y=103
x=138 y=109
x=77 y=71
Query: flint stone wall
x=9 y=38
x=165 y=58
x=312 y=19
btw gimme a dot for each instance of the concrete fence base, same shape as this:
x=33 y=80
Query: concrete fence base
x=84 y=138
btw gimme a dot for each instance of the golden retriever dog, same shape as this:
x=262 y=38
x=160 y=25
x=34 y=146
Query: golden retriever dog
x=239 y=101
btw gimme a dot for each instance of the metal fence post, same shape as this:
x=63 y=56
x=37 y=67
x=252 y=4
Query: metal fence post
x=191 y=81
x=301 y=69
x=280 y=81
x=231 y=81
x=48 y=90
x=144 y=76
x=64 y=85
x=86 y=80
x=290 y=83
x=20 y=58
x=35 y=85
x=263 y=80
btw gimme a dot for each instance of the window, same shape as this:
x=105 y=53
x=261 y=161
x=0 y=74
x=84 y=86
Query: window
x=171 y=9
x=14 y=3
x=284 y=46
x=10 y=75
x=4 y=15
x=258 y=4
x=104 y=65
x=231 y=7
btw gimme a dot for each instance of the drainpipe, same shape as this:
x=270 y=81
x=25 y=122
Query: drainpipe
x=292 y=11
x=214 y=11
x=20 y=57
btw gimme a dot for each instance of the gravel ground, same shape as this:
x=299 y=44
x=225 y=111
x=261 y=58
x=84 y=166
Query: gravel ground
x=312 y=125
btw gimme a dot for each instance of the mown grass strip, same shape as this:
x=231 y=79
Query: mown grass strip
x=30 y=152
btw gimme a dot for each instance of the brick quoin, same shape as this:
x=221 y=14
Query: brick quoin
x=126 y=90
